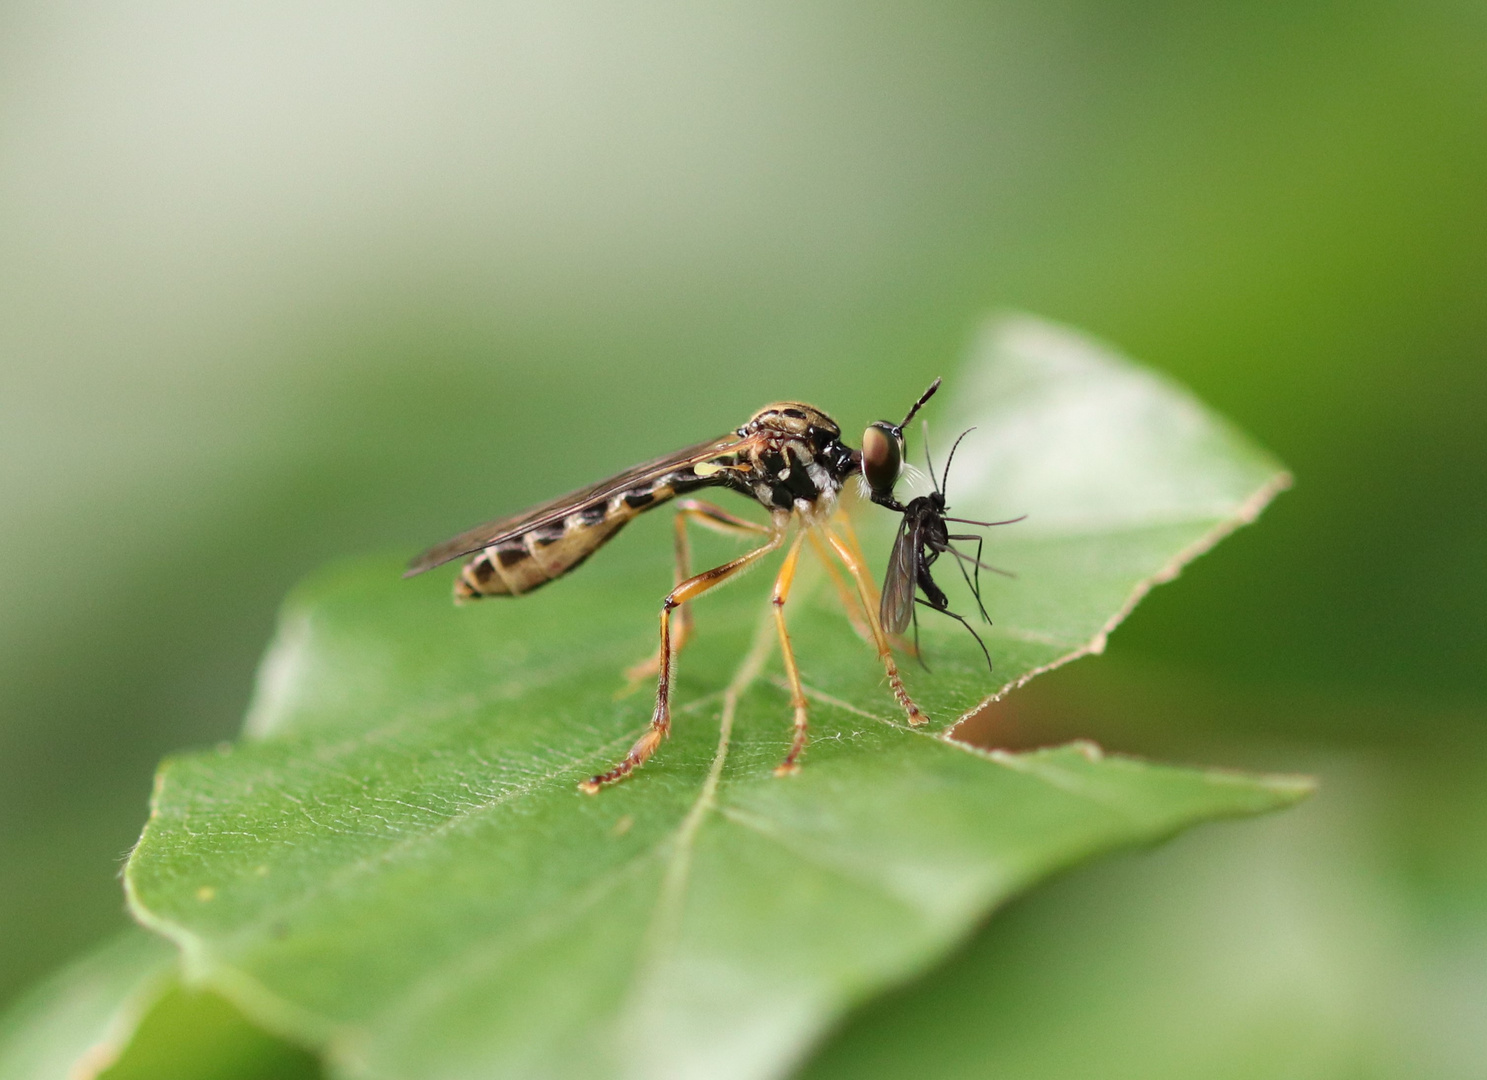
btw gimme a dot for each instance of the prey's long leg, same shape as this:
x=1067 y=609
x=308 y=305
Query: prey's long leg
x=708 y=516
x=690 y=589
x=960 y=562
x=858 y=569
x=792 y=673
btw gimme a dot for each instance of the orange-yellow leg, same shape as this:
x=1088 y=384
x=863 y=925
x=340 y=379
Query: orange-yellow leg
x=792 y=673
x=848 y=595
x=688 y=590
x=851 y=602
x=858 y=569
x=842 y=523
x=709 y=517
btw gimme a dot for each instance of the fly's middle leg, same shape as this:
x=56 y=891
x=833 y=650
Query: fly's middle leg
x=710 y=517
x=688 y=590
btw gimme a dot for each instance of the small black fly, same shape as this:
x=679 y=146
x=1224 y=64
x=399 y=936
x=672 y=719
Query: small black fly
x=923 y=533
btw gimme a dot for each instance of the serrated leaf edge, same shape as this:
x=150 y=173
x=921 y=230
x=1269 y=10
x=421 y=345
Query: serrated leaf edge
x=1247 y=513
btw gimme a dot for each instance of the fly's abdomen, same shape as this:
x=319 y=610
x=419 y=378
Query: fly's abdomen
x=531 y=559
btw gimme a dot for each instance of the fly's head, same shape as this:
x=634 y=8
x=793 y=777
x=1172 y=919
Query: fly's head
x=882 y=457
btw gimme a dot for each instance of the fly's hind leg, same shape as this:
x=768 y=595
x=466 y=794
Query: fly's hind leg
x=708 y=516
x=688 y=590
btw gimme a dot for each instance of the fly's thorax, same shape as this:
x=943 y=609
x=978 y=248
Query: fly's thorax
x=798 y=461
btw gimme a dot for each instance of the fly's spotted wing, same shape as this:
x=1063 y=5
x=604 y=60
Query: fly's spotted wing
x=555 y=510
x=899 y=584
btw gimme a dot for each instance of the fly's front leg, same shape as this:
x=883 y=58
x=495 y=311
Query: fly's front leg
x=792 y=673
x=842 y=524
x=858 y=569
x=719 y=521
x=844 y=592
x=688 y=590
x=847 y=594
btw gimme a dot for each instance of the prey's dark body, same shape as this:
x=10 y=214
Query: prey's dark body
x=924 y=522
x=923 y=536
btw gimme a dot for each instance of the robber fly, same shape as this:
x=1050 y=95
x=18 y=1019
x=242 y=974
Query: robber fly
x=923 y=532
x=789 y=458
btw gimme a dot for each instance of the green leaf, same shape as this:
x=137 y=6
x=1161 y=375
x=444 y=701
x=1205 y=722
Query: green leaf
x=398 y=867
x=197 y=1035
x=76 y=1023
x=1298 y=947
x=120 y=1013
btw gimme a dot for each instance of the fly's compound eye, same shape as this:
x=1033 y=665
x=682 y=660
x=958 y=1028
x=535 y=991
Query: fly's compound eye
x=882 y=457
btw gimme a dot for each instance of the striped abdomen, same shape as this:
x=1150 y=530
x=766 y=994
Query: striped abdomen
x=531 y=559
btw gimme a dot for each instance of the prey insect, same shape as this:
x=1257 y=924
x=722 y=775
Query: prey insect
x=923 y=534
x=789 y=458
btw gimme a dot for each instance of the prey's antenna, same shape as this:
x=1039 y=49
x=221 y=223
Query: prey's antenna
x=922 y=399
x=946 y=482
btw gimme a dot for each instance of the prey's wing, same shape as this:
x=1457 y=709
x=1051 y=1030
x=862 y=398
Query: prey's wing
x=897 y=606
x=493 y=532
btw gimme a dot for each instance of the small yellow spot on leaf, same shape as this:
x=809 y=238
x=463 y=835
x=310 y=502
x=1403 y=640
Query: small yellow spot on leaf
x=205 y=893
x=622 y=826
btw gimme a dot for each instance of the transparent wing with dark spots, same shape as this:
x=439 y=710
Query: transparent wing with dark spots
x=493 y=532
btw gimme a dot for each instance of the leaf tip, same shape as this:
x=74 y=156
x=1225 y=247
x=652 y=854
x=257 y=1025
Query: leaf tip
x=1293 y=787
x=1088 y=749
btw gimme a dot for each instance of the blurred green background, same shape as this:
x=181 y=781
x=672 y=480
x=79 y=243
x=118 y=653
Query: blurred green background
x=284 y=282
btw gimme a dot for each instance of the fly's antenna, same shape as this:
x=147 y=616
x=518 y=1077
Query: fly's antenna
x=946 y=481
x=922 y=399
